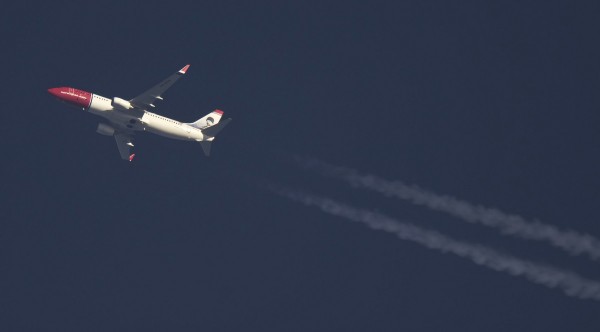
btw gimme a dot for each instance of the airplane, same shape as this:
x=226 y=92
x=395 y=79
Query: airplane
x=125 y=117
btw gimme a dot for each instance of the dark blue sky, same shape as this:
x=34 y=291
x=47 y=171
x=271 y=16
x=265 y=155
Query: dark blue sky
x=495 y=103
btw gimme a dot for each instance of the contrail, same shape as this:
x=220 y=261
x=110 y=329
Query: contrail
x=570 y=283
x=570 y=241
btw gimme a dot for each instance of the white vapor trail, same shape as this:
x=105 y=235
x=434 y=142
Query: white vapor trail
x=570 y=241
x=570 y=283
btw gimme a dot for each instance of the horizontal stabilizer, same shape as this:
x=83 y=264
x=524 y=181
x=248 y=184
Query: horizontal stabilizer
x=212 y=131
x=206 y=147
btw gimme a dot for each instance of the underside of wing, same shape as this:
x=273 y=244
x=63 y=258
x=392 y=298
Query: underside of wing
x=146 y=100
x=124 y=143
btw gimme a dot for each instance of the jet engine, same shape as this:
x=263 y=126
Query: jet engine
x=120 y=104
x=104 y=129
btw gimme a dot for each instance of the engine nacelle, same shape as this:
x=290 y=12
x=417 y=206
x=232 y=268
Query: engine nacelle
x=120 y=104
x=104 y=129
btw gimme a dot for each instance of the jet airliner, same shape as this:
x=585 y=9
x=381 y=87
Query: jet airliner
x=125 y=117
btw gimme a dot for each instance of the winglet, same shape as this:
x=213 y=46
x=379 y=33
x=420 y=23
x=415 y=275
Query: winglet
x=184 y=69
x=218 y=112
x=131 y=157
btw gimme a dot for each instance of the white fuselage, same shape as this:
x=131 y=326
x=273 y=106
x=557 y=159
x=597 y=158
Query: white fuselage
x=143 y=120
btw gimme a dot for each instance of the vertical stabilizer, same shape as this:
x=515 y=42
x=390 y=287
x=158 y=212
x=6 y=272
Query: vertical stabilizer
x=208 y=120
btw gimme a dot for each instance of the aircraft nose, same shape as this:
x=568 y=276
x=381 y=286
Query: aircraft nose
x=54 y=91
x=72 y=96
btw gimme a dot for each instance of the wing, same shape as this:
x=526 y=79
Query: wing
x=146 y=99
x=124 y=143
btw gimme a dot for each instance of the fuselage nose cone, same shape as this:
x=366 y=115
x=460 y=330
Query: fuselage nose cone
x=72 y=96
x=54 y=91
